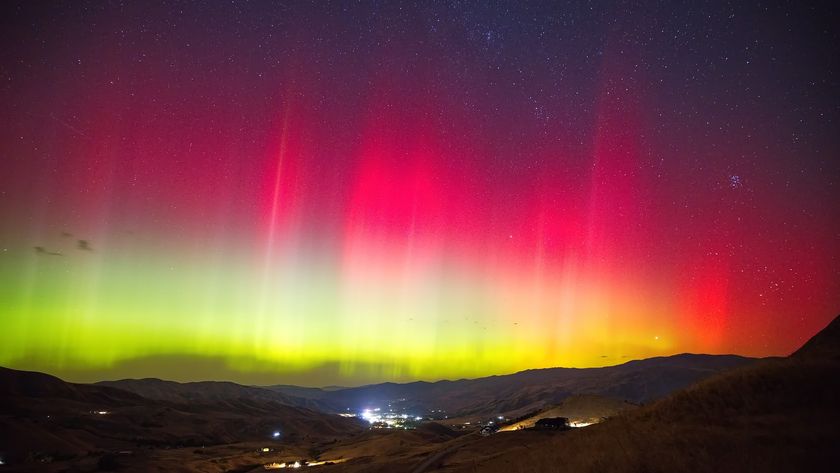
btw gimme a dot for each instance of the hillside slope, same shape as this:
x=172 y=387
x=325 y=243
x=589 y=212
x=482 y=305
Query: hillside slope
x=211 y=391
x=578 y=409
x=778 y=415
x=44 y=418
x=639 y=381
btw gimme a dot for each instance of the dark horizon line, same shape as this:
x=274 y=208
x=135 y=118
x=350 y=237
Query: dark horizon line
x=427 y=381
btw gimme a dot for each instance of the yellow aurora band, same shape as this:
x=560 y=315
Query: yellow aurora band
x=89 y=314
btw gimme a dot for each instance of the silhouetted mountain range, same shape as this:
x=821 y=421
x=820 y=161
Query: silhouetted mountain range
x=212 y=391
x=44 y=418
x=639 y=381
x=775 y=415
x=742 y=415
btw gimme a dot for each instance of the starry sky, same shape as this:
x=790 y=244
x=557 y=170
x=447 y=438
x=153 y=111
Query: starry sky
x=349 y=192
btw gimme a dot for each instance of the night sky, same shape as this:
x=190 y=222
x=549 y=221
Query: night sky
x=338 y=193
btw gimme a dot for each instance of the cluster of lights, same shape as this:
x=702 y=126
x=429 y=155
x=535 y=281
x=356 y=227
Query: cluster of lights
x=300 y=464
x=389 y=419
x=277 y=466
x=484 y=423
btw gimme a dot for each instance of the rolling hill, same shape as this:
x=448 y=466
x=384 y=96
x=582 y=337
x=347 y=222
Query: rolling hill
x=778 y=415
x=43 y=419
x=637 y=382
x=699 y=413
x=212 y=391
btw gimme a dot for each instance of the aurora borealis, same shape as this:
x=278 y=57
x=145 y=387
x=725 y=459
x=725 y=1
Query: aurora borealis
x=337 y=193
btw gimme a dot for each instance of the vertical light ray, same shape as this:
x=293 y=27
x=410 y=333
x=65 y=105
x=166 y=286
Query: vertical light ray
x=271 y=292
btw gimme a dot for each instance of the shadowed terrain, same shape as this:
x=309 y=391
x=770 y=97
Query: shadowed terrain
x=776 y=415
x=211 y=391
x=45 y=422
x=746 y=415
x=638 y=381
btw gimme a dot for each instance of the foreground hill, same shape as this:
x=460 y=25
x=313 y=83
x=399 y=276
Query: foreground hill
x=777 y=415
x=637 y=382
x=44 y=420
x=586 y=409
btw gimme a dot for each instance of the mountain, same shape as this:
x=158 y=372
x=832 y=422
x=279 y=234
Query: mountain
x=638 y=382
x=776 y=415
x=31 y=384
x=304 y=392
x=211 y=391
x=703 y=413
x=44 y=419
x=824 y=345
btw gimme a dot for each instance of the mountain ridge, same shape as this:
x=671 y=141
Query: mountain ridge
x=777 y=414
x=636 y=381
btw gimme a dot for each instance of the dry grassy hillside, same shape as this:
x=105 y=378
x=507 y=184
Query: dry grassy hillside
x=588 y=409
x=46 y=423
x=779 y=415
